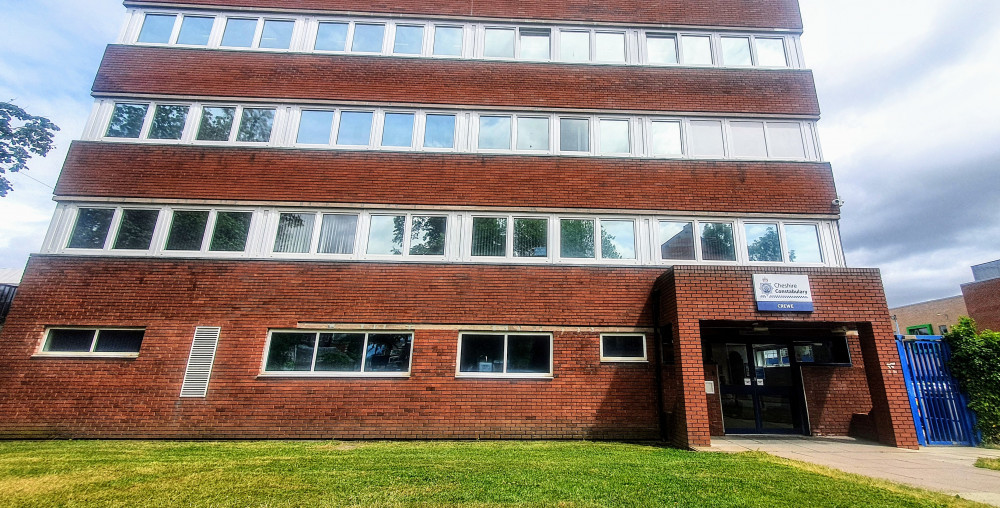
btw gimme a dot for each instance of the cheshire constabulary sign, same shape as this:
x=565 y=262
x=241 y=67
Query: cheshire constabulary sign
x=782 y=293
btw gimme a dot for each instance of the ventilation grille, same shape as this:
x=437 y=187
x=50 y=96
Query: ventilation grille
x=199 y=366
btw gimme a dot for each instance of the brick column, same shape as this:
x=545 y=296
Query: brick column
x=890 y=404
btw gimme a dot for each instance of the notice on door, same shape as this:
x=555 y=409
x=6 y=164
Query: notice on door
x=782 y=293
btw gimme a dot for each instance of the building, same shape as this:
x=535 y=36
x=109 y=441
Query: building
x=933 y=317
x=9 y=279
x=982 y=295
x=452 y=219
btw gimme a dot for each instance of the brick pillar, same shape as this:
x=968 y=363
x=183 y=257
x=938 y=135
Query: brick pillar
x=692 y=427
x=890 y=404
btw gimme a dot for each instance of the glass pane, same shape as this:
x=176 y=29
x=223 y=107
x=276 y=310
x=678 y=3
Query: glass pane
x=574 y=46
x=355 y=128
x=427 y=236
x=617 y=239
x=803 y=243
x=481 y=353
x=439 y=131
x=738 y=412
x=614 y=136
x=534 y=44
x=385 y=236
x=118 y=341
x=776 y=412
x=763 y=243
x=574 y=134
x=697 y=50
x=368 y=38
x=661 y=49
x=91 y=229
x=156 y=28
x=677 y=240
x=771 y=53
x=136 y=230
x=126 y=121
x=187 y=230
x=195 y=30
x=277 y=34
x=409 y=40
x=340 y=352
x=336 y=235
x=398 y=130
x=294 y=232
x=216 y=124
x=70 y=340
x=624 y=346
x=290 y=351
x=331 y=37
x=528 y=354
x=736 y=51
x=388 y=352
x=531 y=238
x=494 y=132
x=448 y=41
x=231 y=230
x=532 y=133
x=785 y=140
x=239 y=32
x=665 y=138
x=499 y=43
x=489 y=236
x=748 y=139
x=706 y=139
x=717 y=241
x=576 y=238
x=255 y=126
x=168 y=122
x=610 y=47
x=315 y=127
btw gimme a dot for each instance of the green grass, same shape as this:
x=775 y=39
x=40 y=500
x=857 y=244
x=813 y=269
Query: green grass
x=988 y=463
x=311 y=473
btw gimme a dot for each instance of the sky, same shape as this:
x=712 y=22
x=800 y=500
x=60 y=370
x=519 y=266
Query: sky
x=908 y=90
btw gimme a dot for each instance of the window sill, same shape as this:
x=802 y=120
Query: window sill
x=329 y=375
x=500 y=376
x=624 y=360
x=88 y=356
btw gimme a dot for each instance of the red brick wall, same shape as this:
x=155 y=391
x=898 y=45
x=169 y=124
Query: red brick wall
x=129 y=170
x=835 y=394
x=746 y=13
x=51 y=397
x=131 y=70
x=983 y=301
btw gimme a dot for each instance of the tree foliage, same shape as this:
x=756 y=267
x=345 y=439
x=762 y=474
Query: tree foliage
x=21 y=136
x=975 y=362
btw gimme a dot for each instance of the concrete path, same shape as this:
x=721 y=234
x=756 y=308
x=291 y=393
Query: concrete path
x=947 y=469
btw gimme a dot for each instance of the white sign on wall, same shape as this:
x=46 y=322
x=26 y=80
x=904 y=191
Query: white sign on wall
x=782 y=293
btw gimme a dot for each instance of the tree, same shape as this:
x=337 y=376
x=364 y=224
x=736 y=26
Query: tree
x=28 y=135
x=975 y=362
x=766 y=247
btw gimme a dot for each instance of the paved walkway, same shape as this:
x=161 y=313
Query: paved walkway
x=947 y=469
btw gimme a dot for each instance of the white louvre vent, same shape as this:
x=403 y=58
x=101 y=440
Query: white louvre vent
x=199 y=366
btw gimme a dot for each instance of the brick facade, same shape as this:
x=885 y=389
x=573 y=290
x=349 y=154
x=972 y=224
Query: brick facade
x=982 y=298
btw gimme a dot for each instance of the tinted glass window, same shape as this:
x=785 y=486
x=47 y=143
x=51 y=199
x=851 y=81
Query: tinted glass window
x=677 y=240
x=127 y=120
x=340 y=352
x=489 y=236
x=118 y=341
x=763 y=243
x=481 y=353
x=255 y=126
x=531 y=237
x=91 y=229
x=168 y=122
x=576 y=238
x=717 y=241
x=216 y=124
x=337 y=234
x=388 y=352
x=528 y=354
x=290 y=351
x=624 y=346
x=136 y=230
x=187 y=230
x=294 y=232
x=427 y=236
x=231 y=230
x=70 y=340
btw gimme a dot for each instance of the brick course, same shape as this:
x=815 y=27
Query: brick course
x=983 y=301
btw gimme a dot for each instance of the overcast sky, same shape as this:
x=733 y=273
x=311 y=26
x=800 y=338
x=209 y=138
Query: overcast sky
x=911 y=123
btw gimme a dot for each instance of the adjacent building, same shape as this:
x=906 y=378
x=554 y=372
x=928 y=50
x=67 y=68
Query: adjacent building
x=450 y=219
x=982 y=295
x=933 y=317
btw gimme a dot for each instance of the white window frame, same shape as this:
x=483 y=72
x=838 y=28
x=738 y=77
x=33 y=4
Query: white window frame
x=505 y=374
x=625 y=359
x=41 y=352
x=206 y=240
x=509 y=256
x=259 y=31
x=332 y=373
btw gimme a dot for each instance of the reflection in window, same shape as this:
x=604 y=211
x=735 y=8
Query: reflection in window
x=614 y=136
x=736 y=51
x=617 y=239
x=665 y=138
x=136 y=229
x=398 y=130
x=677 y=240
x=697 y=49
x=255 y=126
x=195 y=30
x=525 y=354
x=763 y=243
x=532 y=133
x=338 y=352
x=748 y=139
x=803 y=243
x=706 y=138
x=574 y=134
x=91 y=229
x=661 y=49
x=314 y=127
x=409 y=40
x=489 y=236
x=427 y=236
x=187 y=230
x=534 y=44
x=331 y=37
x=168 y=122
x=126 y=120
x=574 y=46
x=156 y=28
x=448 y=40
x=494 y=132
x=277 y=34
x=717 y=241
x=216 y=124
x=531 y=238
x=499 y=43
x=239 y=32
x=336 y=236
x=295 y=231
x=623 y=347
x=231 y=231
x=785 y=140
x=368 y=38
x=92 y=341
x=439 y=131
x=355 y=128
x=610 y=47
x=385 y=236
x=576 y=238
x=771 y=52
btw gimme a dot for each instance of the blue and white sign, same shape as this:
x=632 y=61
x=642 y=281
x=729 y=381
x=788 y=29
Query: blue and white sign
x=782 y=293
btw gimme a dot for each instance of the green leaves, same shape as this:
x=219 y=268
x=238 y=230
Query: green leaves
x=21 y=136
x=975 y=362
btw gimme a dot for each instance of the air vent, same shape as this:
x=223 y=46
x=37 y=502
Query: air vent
x=199 y=366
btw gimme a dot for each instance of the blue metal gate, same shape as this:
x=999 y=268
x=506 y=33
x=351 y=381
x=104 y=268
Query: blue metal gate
x=940 y=410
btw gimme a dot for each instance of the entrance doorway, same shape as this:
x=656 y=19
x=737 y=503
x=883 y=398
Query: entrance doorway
x=759 y=389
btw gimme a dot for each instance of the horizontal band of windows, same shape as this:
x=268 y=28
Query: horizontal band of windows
x=466 y=40
x=500 y=132
x=337 y=353
x=438 y=236
x=91 y=342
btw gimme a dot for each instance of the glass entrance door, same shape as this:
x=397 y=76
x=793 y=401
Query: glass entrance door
x=757 y=387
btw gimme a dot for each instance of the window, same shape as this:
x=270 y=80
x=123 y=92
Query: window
x=368 y=38
x=156 y=28
x=439 y=131
x=610 y=47
x=661 y=49
x=763 y=243
x=229 y=231
x=195 y=30
x=239 y=32
x=168 y=122
x=494 y=132
x=623 y=347
x=385 y=234
x=315 y=127
x=136 y=229
x=803 y=243
x=574 y=134
x=717 y=242
x=448 y=40
x=355 y=128
x=706 y=138
x=295 y=231
x=532 y=133
x=91 y=228
x=127 y=120
x=771 y=52
x=331 y=37
x=427 y=235
x=499 y=43
x=614 y=136
x=833 y=351
x=409 y=40
x=576 y=238
x=216 y=123
x=534 y=44
x=505 y=355
x=339 y=353
x=489 y=236
x=784 y=140
x=665 y=139
x=397 y=130
x=574 y=46
x=617 y=239
x=276 y=34
x=736 y=51
x=336 y=236
x=697 y=49
x=256 y=125
x=676 y=240
x=93 y=341
x=531 y=238
x=748 y=139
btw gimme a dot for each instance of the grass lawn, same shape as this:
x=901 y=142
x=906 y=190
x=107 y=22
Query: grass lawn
x=314 y=473
x=988 y=463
